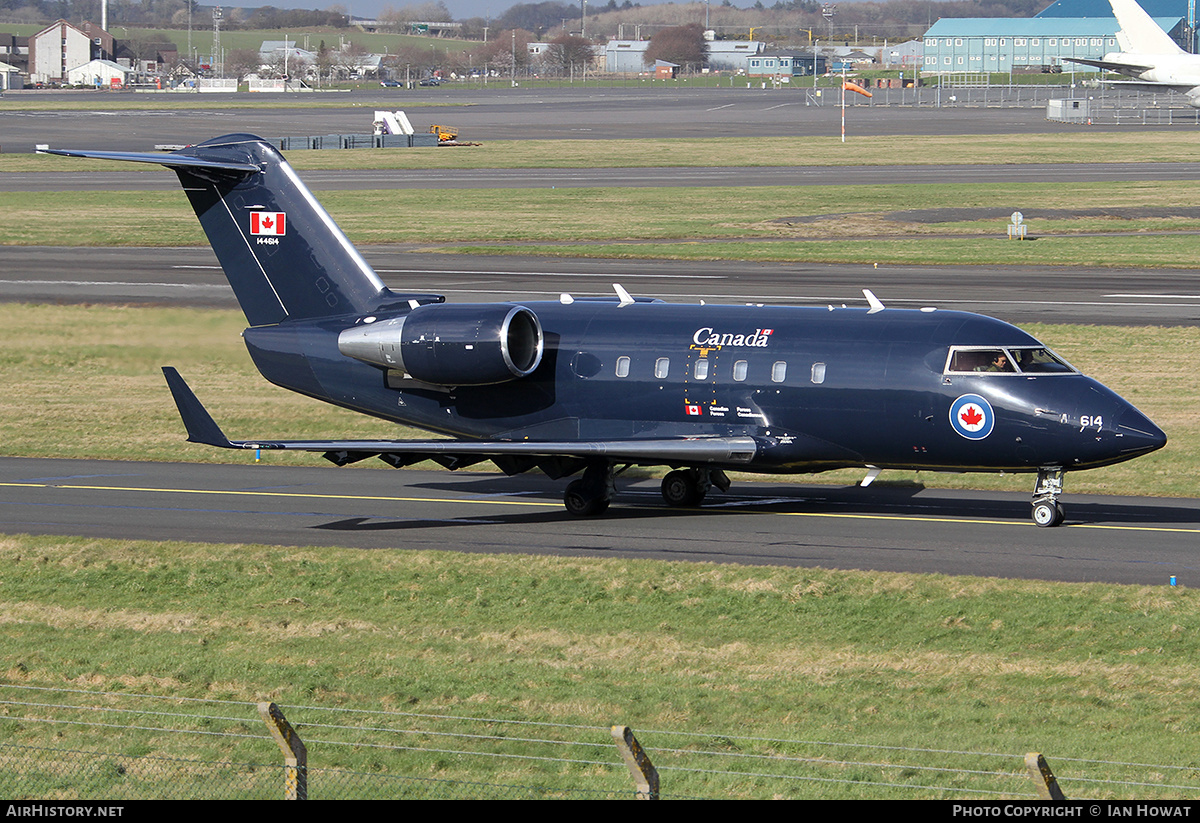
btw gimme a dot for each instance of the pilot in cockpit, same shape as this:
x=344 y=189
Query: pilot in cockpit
x=998 y=363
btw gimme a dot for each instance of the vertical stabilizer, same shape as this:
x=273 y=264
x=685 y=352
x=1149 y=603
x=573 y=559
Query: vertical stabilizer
x=283 y=254
x=1139 y=33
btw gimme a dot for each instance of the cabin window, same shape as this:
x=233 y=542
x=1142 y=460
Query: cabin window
x=818 y=372
x=701 y=371
x=662 y=367
x=778 y=371
x=622 y=367
x=739 y=370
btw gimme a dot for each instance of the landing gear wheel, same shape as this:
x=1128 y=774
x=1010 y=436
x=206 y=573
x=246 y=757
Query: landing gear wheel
x=681 y=488
x=580 y=504
x=1048 y=513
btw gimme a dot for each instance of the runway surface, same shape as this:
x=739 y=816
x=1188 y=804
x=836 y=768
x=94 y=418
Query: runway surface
x=191 y=276
x=1111 y=539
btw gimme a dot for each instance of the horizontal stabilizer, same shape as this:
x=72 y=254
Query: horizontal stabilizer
x=202 y=428
x=171 y=160
x=1109 y=65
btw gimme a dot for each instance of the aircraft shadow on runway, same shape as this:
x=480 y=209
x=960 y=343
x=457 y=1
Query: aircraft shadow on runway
x=642 y=501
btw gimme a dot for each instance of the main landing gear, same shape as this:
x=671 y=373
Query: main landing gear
x=685 y=488
x=590 y=494
x=1047 y=511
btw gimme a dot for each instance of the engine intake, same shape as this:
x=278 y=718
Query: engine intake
x=452 y=344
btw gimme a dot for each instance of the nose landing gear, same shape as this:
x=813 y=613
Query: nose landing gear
x=1047 y=511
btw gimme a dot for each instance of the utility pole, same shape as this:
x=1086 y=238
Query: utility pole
x=218 y=59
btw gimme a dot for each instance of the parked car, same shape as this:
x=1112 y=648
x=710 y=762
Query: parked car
x=430 y=81
x=390 y=84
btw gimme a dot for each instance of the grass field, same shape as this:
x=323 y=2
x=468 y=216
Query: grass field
x=853 y=223
x=1094 y=673
x=746 y=657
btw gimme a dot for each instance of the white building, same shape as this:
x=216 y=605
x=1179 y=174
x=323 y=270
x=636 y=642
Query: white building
x=10 y=77
x=723 y=55
x=99 y=73
x=60 y=47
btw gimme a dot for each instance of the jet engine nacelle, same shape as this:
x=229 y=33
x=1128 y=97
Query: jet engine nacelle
x=451 y=345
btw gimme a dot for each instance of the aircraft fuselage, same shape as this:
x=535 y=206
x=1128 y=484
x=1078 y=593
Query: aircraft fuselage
x=816 y=388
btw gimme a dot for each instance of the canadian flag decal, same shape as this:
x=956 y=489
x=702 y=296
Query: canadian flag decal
x=268 y=222
x=693 y=409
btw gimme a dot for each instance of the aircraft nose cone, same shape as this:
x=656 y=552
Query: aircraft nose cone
x=1140 y=435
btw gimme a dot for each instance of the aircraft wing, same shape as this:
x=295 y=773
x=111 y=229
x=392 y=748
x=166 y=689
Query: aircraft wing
x=517 y=455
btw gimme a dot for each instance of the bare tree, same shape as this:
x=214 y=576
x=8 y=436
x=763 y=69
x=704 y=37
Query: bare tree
x=682 y=45
x=240 y=62
x=569 y=54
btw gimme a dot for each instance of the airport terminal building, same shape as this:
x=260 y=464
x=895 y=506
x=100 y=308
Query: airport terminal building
x=1066 y=29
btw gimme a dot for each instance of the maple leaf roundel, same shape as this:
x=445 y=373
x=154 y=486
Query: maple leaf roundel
x=972 y=416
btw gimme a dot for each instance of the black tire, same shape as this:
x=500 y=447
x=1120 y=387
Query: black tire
x=679 y=489
x=579 y=504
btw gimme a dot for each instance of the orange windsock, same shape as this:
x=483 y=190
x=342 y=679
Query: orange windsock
x=848 y=86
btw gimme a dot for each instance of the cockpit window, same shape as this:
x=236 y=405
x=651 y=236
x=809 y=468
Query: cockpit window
x=973 y=360
x=1040 y=361
x=1008 y=360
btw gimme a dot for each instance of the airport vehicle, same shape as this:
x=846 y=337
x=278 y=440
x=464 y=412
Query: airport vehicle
x=592 y=385
x=1148 y=55
x=444 y=133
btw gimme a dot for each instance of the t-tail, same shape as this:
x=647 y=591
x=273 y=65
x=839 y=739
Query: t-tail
x=284 y=256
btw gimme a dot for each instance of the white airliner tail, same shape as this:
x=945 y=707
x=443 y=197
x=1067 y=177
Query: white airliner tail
x=1139 y=34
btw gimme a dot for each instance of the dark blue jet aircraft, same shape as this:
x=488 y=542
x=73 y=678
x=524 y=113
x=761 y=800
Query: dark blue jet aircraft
x=592 y=385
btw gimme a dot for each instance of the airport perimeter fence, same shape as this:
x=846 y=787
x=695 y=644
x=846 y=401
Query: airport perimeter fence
x=74 y=744
x=951 y=90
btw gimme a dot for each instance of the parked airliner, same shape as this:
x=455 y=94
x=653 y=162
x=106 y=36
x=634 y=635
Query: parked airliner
x=1148 y=55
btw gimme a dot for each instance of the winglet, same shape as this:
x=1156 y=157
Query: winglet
x=201 y=428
